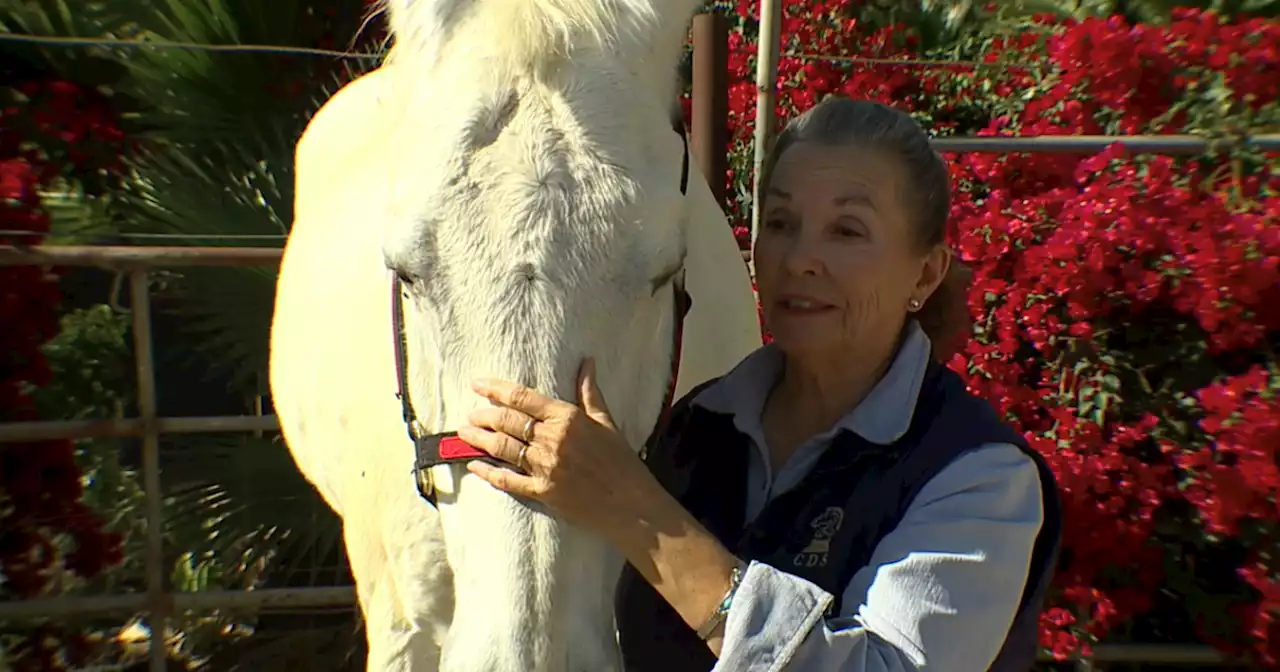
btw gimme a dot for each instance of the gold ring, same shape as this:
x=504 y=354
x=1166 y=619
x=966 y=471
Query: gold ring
x=520 y=462
x=528 y=431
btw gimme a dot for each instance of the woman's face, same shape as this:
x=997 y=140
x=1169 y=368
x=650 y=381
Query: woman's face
x=836 y=259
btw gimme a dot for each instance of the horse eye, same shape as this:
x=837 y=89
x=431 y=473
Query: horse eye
x=403 y=276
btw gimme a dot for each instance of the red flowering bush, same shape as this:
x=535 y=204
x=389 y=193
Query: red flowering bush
x=1127 y=308
x=49 y=538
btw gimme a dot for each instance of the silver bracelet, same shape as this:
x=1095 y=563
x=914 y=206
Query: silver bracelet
x=722 y=610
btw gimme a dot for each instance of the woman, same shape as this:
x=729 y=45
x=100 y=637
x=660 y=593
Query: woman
x=837 y=501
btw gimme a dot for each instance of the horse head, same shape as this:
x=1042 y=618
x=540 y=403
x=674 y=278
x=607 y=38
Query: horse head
x=535 y=216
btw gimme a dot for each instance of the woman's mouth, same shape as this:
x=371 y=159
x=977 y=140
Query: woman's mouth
x=803 y=305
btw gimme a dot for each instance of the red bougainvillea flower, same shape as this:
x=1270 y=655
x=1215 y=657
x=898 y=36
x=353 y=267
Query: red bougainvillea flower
x=45 y=527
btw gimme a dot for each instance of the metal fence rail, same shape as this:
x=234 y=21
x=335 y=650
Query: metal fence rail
x=156 y=602
x=1091 y=144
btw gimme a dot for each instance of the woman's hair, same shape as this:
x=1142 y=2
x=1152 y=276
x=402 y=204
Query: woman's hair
x=868 y=125
x=863 y=125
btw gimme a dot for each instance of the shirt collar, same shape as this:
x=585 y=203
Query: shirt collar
x=882 y=417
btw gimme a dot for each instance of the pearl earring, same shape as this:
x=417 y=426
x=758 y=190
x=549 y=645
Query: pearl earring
x=913 y=304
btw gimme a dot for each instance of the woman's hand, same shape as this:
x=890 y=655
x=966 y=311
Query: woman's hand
x=574 y=459
x=577 y=464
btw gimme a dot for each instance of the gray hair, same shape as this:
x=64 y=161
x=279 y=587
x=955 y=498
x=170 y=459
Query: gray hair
x=864 y=124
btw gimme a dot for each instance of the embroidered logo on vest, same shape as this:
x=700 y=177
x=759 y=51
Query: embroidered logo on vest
x=824 y=527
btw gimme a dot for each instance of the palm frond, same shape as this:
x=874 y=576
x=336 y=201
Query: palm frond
x=59 y=18
x=219 y=160
x=330 y=648
x=242 y=500
x=228 y=189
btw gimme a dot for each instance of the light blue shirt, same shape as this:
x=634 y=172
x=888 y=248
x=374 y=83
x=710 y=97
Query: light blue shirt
x=940 y=591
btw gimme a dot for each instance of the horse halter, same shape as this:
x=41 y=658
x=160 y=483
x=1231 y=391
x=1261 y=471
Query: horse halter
x=431 y=450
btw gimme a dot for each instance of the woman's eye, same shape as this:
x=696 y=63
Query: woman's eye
x=849 y=228
x=774 y=224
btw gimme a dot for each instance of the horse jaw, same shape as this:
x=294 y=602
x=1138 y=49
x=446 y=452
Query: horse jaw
x=535 y=200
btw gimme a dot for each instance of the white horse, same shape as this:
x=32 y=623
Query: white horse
x=514 y=162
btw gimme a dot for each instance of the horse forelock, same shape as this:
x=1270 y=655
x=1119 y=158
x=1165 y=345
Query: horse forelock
x=523 y=34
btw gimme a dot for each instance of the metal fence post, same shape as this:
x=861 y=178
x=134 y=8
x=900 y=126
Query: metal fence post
x=153 y=559
x=766 y=97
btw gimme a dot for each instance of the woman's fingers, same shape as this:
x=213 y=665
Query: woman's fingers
x=504 y=479
x=505 y=420
x=519 y=397
x=497 y=444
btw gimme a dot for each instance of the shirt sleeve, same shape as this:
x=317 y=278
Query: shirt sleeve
x=939 y=592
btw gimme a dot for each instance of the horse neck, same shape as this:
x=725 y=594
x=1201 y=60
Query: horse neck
x=531 y=593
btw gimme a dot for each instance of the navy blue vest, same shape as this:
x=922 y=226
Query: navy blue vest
x=825 y=529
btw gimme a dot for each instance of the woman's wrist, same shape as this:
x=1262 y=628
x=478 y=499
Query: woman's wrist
x=651 y=515
x=713 y=626
x=684 y=562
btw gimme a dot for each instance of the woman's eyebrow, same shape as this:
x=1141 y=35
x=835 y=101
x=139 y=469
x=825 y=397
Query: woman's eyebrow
x=855 y=199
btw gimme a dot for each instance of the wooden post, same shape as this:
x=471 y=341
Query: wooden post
x=710 y=132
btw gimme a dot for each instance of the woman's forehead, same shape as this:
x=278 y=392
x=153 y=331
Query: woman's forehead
x=844 y=175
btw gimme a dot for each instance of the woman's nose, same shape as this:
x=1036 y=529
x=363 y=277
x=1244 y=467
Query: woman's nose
x=803 y=256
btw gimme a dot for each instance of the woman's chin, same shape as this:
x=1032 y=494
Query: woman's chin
x=806 y=323
x=796 y=340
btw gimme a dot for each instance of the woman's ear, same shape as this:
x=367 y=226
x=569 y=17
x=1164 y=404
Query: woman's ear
x=945 y=316
x=937 y=264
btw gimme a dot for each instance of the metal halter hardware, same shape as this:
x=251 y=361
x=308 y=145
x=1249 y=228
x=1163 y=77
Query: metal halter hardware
x=446 y=448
